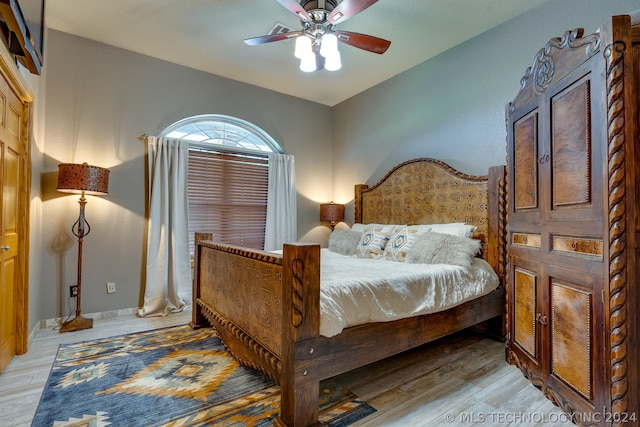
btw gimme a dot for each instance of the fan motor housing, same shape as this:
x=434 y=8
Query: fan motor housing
x=318 y=10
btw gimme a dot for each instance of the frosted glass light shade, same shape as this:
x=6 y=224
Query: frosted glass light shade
x=329 y=45
x=308 y=63
x=333 y=62
x=303 y=47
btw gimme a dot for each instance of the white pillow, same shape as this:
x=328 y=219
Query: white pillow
x=344 y=242
x=455 y=229
x=401 y=242
x=438 y=248
x=372 y=243
x=420 y=227
x=387 y=228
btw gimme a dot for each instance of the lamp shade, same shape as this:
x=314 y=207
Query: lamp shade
x=78 y=178
x=331 y=212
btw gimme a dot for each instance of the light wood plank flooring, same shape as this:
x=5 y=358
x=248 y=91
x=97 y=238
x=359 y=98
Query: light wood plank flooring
x=461 y=380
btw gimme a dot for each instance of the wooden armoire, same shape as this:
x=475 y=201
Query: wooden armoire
x=573 y=185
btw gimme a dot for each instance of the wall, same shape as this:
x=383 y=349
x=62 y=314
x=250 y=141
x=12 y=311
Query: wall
x=99 y=100
x=452 y=107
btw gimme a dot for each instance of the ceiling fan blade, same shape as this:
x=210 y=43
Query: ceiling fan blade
x=253 y=41
x=294 y=7
x=347 y=9
x=364 y=41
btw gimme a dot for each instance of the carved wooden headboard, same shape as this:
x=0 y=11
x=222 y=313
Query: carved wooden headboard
x=425 y=191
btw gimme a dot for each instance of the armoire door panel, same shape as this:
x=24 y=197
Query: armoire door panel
x=526 y=239
x=571 y=146
x=525 y=310
x=571 y=337
x=525 y=133
x=592 y=247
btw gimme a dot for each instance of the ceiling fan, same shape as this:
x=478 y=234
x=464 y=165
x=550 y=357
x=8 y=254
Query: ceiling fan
x=317 y=42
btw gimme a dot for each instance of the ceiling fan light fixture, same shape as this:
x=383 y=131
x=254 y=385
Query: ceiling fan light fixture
x=308 y=62
x=329 y=45
x=303 y=47
x=317 y=42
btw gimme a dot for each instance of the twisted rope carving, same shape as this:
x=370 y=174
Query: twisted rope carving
x=507 y=267
x=614 y=56
x=502 y=229
x=297 y=310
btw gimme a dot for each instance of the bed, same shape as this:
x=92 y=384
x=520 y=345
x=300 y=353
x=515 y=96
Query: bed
x=266 y=306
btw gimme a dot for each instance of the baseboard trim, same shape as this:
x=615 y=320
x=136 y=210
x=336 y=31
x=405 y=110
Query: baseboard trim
x=103 y=315
x=54 y=323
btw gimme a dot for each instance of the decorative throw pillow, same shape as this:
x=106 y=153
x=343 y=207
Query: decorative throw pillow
x=401 y=242
x=344 y=242
x=372 y=243
x=439 y=248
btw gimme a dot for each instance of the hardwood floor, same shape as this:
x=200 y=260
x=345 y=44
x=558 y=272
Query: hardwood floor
x=459 y=380
x=21 y=384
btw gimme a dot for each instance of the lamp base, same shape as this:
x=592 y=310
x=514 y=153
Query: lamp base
x=76 y=324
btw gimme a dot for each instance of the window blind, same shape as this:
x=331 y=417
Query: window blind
x=228 y=197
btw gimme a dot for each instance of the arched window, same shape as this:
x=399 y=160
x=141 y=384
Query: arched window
x=228 y=177
x=222 y=132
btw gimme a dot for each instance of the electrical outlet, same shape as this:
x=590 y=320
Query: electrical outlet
x=111 y=287
x=73 y=290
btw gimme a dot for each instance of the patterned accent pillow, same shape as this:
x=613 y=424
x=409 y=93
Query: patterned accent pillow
x=401 y=242
x=372 y=243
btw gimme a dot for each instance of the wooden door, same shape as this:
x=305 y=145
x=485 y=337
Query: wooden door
x=11 y=161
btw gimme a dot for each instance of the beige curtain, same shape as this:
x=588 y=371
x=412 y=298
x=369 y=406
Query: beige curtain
x=282 y=218
x=168 y=270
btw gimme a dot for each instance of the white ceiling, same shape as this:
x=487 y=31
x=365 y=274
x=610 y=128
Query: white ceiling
x=208 y=35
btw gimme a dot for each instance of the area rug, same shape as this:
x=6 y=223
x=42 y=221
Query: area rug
x=170 y=377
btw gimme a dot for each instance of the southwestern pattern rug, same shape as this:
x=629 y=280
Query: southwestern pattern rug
x=170 y=377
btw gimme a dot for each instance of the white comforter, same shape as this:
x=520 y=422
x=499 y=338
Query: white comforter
x=356 y=290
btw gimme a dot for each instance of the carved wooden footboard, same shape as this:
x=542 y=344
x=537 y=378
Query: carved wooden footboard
x=246 y=286
x=266 y=309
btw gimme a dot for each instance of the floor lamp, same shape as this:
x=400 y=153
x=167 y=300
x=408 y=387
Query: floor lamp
x=81 y=179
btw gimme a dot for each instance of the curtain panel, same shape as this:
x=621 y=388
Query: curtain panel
x=282 y=224
x=168 y=270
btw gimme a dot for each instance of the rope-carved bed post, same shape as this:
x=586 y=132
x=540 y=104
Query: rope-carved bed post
x=301 y=317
